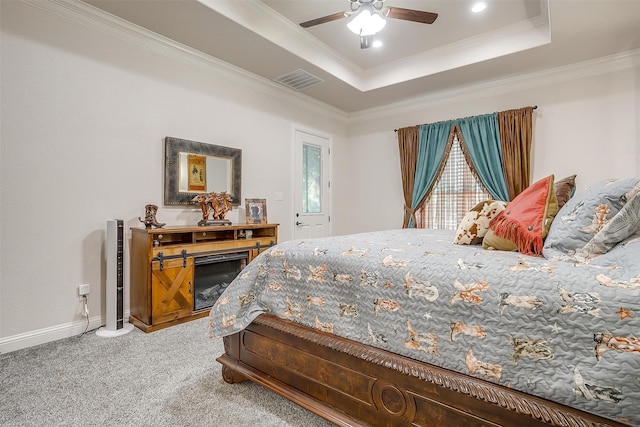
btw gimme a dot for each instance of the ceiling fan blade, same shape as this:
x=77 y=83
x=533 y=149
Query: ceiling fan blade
x=324 y=19
x=366 y=41
x=411 y=15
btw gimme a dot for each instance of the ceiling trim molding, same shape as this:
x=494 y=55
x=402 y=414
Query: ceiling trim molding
x=514 y=38
x=579 y=70
x=87 y=15
x=264 y=21
x=99 y=20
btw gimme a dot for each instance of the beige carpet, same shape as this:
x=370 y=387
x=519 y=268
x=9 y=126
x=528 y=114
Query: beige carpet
x=165 y=378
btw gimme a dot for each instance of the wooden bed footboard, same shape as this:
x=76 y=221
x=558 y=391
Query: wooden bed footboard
x=353 y=384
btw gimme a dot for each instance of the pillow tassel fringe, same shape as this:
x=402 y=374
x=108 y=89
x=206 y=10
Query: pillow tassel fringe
x=529 y=242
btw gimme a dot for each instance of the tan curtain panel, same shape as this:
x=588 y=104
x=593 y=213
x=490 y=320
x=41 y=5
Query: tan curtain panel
x=408 y=146
x=516 y=128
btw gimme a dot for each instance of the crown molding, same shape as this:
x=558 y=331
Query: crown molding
x=262 y=20
x=99 y=20
x=522 y=35
x=259 y=18
x=87 y=15
x=580 y=70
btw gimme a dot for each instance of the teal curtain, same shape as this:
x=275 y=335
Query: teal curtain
x=432 y=145
x=482 y=141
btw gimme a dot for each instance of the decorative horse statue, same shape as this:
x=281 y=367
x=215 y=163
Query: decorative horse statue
x=215 y=204
x=202 y=200
x=222 y=204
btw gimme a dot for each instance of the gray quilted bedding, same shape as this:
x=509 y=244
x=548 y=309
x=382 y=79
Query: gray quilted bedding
x=567 y=331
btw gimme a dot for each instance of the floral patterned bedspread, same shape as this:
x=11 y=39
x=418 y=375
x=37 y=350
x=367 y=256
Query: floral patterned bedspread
x=565 y=331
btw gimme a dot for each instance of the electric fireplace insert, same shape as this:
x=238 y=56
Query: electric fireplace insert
x=212 y=275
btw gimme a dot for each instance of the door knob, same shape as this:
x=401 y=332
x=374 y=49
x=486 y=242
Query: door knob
x=300 y=224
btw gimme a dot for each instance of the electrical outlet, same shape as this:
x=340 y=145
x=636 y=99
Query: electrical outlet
x=84 y=289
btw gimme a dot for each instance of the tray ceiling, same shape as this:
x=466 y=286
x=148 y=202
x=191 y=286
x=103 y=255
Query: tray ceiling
x=461 y=48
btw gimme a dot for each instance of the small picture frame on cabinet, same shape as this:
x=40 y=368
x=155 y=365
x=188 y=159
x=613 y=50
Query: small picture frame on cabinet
x=256 y=211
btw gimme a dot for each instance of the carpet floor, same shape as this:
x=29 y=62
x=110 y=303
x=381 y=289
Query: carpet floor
x=165 y=378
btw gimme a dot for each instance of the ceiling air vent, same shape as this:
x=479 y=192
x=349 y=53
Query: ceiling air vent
x=298 y=80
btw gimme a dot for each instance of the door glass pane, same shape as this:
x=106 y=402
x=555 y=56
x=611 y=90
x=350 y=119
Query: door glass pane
x=311 y=179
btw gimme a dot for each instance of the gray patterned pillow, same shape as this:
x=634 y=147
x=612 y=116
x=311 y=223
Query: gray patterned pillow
x=624 y=224
x=585 y=214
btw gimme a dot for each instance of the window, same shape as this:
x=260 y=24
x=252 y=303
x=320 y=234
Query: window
x=311 y=179
x=454 y=194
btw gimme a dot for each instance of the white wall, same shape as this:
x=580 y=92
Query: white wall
x=84 y=115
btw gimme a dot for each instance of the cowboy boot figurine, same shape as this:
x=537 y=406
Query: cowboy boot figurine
x=150 y=212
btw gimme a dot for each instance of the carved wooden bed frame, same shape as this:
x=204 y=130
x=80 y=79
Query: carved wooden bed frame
x=353 y=384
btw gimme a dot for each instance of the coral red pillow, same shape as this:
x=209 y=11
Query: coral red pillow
x=527 y=218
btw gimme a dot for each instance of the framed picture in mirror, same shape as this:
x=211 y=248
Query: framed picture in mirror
x=193 y=167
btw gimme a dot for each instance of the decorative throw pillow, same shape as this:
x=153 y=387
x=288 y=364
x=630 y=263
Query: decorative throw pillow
x=623 y=225
x=491 y=241
x=565 y=188
x=526 y=221
x=475 y=223
x=585 y=214
x=622 y=260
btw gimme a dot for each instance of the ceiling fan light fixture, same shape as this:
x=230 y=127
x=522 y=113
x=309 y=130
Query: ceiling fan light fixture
x=366 y=23
x=479 y=7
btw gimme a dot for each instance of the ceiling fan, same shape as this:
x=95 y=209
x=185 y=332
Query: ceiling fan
x=369 y=18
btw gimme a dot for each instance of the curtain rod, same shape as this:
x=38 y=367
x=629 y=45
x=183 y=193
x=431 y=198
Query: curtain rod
x=535 y=107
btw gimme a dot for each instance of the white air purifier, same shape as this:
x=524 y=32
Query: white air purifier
x=114 y=251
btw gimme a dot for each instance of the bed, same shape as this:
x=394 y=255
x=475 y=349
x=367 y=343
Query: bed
x=403 y=327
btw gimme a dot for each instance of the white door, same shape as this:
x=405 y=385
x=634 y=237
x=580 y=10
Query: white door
x=311 y=186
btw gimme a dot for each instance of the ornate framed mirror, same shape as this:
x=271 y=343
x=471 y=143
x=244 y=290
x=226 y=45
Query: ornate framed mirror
x=192 y=168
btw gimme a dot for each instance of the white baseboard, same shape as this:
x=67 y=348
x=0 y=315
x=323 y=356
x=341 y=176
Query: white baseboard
x=53 y=333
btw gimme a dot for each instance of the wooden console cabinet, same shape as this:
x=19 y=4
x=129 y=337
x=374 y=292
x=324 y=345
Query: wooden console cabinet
x=162 y=267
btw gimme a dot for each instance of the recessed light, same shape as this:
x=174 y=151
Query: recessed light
x=478 y=7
